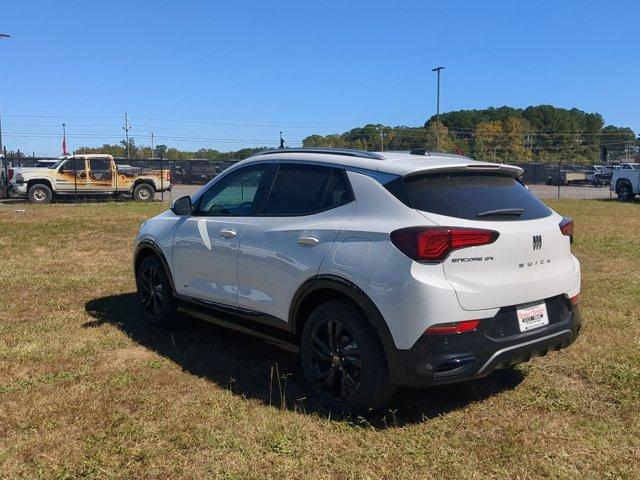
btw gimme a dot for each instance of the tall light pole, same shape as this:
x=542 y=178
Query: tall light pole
x=437 y=70
x=381 y=138
x=152 y=154
x=2 y=35
x=126 y=129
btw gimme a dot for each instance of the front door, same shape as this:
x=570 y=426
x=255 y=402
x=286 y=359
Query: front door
x=205 y=246
x=72 y=176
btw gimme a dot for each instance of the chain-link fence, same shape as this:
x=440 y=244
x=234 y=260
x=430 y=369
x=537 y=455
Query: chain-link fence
x=102 y=178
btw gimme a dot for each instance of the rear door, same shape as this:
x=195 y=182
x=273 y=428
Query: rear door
x=531 y=258
x=101 y=176
x=206 y=244
x=286 y=242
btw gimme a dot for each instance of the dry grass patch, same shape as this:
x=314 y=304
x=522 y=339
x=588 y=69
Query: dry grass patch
x=88 y=390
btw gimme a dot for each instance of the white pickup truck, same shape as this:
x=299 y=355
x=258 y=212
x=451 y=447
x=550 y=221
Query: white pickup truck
x=625 y=181
x=87 y=175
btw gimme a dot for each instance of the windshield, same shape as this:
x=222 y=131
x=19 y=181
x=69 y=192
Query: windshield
x=57 y=164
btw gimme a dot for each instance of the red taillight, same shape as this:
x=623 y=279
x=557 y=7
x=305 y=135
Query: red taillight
x=575 y=299
x=10 y=173
x=455 y=327
x=433 y=244
x=167 y=175
x=566 y=227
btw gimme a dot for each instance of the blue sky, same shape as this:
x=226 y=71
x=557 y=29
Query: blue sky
x=231 y=74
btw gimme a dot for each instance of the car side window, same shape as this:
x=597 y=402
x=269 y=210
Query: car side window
x=100 y=169
x=306 y=189
x=75 y=165
x=339 y=191
x=233 y=195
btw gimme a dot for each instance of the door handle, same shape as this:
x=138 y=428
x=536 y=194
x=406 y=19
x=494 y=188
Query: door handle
x=305 y=241
x=228 y=233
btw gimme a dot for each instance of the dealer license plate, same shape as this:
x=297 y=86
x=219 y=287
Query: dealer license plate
x=532 y=315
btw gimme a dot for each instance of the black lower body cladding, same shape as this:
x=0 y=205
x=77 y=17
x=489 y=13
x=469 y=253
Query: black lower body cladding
x=496 y=343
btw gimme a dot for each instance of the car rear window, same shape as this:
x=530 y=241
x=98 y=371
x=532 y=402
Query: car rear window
x=469 y=195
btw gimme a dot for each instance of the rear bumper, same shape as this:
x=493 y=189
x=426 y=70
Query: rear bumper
x=17 y=189
x=497 y=343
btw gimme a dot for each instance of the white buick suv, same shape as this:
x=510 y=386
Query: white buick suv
x=379 y=269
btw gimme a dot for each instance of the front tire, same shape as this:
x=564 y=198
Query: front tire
x=40 y=194
x=343 y=362
x=625 y=192
x=155 y=292
x=143 y=192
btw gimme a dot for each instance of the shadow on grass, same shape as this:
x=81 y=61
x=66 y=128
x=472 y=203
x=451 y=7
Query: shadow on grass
x=257 y=370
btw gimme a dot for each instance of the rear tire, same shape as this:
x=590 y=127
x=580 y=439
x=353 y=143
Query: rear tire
x=40 y=194
x=143 y=192
x=343 y=362
x=155 y=292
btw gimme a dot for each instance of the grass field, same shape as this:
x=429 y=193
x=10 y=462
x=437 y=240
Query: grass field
x=88 y=390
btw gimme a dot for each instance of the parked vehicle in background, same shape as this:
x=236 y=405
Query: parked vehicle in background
x=46 y=163
x=567 y=175
x=630 y=166
x=87 y=175
x=599 y=175
x=381 y=269
x=625 y=181
x=196 y=171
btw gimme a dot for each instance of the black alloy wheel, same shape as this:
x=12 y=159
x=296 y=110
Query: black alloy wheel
x=336 y=360
x=151 y=291
x=155 y=292
x=343 y=361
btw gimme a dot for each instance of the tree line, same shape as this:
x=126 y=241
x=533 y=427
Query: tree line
x=542 y=133
x=168 y=153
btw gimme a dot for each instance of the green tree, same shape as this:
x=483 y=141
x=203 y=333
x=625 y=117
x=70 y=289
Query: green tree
x=488 y=140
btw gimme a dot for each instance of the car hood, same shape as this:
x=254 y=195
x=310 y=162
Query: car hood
x=40 y=171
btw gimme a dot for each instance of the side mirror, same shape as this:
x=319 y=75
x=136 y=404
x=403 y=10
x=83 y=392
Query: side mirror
x=182 y=206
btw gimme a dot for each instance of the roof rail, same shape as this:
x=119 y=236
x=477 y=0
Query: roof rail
x=326 y=151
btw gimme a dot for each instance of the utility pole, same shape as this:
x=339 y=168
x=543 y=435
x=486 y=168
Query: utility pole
x=152 y=154
x=64 y=139
x=126 y=129
x=281 y=141
x=2 y=35
x=0 y=131
x=437 y=70
x=627 y=148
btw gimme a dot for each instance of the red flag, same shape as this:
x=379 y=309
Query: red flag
x=459 y=150
x=64 y=145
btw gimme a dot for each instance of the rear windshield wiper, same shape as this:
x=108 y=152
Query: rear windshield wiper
x=503 y=211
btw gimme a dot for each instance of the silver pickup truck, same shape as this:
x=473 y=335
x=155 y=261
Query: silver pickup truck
x=625 y=181
x=87 y=175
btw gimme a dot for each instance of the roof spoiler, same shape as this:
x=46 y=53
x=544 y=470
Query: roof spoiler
x=511 y=170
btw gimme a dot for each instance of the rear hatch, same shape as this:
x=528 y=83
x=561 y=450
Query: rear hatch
x=529 y=260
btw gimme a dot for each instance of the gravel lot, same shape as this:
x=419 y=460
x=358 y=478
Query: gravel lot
x=542 y=191
x=550 y=191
